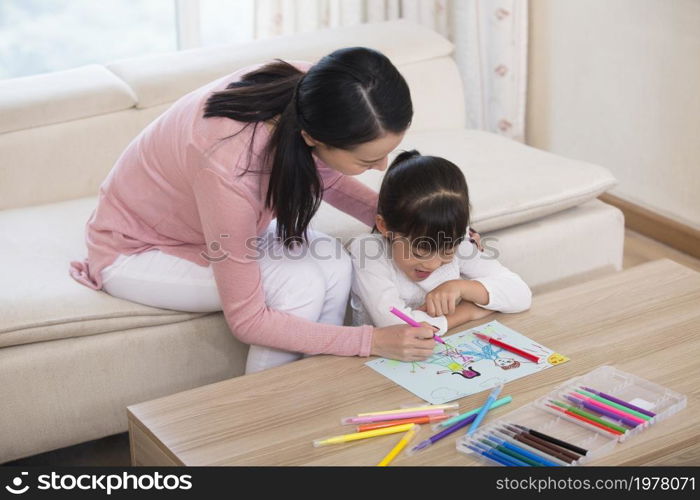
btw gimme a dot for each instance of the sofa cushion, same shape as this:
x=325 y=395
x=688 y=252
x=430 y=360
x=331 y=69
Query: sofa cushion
x=160 y=78
x=509 y=183
x=38 y=299
x=57 y=97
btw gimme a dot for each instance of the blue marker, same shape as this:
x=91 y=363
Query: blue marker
x=502 y=456
x=490 y=457
x=522 y=451
x=485 y=409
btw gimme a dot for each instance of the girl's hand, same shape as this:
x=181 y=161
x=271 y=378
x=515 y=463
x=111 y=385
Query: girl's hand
x=475 y=238
x=403 y=342
x=442 y=299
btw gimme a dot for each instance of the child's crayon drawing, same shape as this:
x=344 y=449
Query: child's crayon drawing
x=467 y=365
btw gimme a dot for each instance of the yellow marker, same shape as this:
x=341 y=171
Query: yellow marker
x=399 y=446
x=448 y=406
x=362 y=435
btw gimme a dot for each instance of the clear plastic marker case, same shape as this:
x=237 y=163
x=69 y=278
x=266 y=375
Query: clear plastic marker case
x=606 y=379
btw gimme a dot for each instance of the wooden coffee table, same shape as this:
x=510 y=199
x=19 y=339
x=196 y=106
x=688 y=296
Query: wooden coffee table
x=645 y=320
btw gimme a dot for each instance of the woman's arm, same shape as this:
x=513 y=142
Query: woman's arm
x=224 y=210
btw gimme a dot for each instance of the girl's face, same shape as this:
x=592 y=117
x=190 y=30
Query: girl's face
x=366 y=156
x=417 y=265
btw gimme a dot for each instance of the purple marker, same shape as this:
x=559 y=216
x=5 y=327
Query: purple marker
x=437 y=437
x=601 y=411
x=621 y=402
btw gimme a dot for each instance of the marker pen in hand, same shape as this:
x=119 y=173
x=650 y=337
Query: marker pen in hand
x=412 y=322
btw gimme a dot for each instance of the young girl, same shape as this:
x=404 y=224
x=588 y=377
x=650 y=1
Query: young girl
x=417 y=259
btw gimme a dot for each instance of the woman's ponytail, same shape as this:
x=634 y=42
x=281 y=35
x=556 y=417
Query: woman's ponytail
x=294 y=191
x=351 y=96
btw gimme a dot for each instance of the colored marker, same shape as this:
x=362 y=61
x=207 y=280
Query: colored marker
x=553 y=440
x=508 y=347
x=489 y=456
x=450 y=421
x=391 y=416
x=437 y=437
x=600 y=399
x=621 y=402
x=345 y=438
x=391 y=423
x=506 y=458
x=609 y=408
x=547 y=455
x=485 y=409
x=590 y=416
x=449 y=406
x=512 y=453
x=518 y=449
x=541 y=445
x=532 y=448
x=412 y=322
x=399 y=446
x=581 y=402
x=584 y=419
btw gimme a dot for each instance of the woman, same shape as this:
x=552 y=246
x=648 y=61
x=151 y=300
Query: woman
x=184 y=219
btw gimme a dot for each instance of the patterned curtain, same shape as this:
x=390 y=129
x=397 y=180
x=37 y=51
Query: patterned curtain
x=490 y=38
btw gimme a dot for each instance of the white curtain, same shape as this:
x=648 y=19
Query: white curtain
x=490 y=38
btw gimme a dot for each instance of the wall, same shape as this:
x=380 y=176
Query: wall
x=617 y=82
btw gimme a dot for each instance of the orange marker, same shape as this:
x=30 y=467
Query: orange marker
x=415 y=420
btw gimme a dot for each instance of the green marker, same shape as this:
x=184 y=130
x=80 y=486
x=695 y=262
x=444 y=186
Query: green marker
x=595 y=397
x=589 y=416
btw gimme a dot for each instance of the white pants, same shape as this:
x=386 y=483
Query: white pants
x=312 y=282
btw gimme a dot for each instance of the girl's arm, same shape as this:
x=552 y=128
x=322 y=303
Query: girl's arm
x=374 y=283
x=486 y=278
x=464 y=312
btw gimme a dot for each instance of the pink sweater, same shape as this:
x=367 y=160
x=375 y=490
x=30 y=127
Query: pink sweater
x=177 y=188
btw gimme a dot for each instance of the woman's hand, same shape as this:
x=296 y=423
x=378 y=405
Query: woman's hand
x=443 y=298
x=403 y=342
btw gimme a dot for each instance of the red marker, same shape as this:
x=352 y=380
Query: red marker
x=508 y=347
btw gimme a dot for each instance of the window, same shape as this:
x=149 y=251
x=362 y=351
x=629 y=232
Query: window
x=38 y=36
x=226 y=21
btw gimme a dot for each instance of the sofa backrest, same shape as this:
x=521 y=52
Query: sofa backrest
x=60 y=133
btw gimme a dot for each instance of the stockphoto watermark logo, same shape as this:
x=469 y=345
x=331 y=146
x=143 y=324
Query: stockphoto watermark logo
x=107 y=483
x=18 y=485
x=324 y=247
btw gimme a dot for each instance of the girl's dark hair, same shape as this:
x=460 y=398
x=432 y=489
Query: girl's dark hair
x=426 y=200
x=351 y=96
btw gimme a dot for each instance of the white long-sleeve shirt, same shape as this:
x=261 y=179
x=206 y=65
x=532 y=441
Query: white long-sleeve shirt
x=378 y=285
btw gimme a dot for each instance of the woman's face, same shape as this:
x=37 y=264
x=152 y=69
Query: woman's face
x=366 y=156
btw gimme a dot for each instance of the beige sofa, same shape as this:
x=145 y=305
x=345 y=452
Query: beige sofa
x=72 y=359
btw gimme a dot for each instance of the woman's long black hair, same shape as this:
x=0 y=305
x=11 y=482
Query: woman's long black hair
x=351 y=96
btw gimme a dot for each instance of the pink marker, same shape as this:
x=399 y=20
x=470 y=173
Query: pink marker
x=412 y=322
x=609 y=408
x=393 y=416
